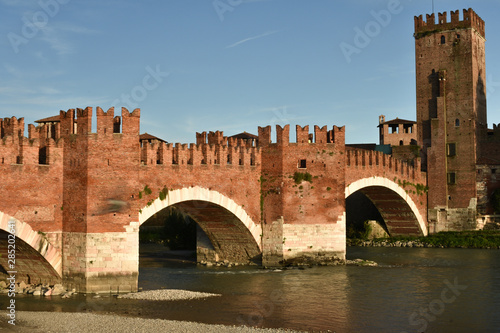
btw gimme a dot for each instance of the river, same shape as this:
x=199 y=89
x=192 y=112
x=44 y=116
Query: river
x=412 y=290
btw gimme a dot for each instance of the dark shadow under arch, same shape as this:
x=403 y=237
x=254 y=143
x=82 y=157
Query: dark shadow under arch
x=397 y=215
x=229 y=239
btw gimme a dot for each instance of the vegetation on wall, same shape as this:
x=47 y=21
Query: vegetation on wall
x=299 y=177
x=478 y=239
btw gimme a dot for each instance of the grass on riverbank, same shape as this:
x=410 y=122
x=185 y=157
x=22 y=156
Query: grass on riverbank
x=478 y=239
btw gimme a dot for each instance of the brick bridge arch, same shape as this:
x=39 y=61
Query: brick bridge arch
x=396 y=206
x=233 y=234
x=35 y=256
x=396 y=188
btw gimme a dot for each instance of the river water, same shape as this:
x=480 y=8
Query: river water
x=412 y=290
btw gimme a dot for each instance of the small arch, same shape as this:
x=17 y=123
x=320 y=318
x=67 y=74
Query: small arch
x=443 y=40
x=457 y=122
x=35 y=240
x=200 y=194
x=390 y=185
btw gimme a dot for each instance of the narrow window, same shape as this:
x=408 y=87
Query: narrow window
x=457 y=122
x=302 y=164
x=452 y=178
x=443 y=40
x=451 y=149
x=228 y=159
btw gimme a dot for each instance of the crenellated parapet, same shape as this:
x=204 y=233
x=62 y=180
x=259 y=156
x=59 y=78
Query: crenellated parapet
x=45 y=142
x=494 y=134
x=12 y=127
x=160 y=153
x=321 y=135
x=264 y=134
x=218 y=138
x=378 y=163
x=106 y=121
x=131 y=121
x=302 y=134
x=470 y=21
x=39 y=148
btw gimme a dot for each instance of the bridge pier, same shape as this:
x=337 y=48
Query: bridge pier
x=290 y=244
x=102 y=262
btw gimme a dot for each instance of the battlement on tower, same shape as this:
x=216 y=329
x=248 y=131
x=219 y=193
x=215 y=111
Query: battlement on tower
x=470 y=21
x=11 y=127
x=44 y=143
x=321 y=135
x=218 y=138
x=80 y=122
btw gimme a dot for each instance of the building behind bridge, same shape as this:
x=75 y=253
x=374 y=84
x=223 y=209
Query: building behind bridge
x=459 y=153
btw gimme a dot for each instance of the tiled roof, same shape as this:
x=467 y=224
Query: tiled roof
x=398 y=121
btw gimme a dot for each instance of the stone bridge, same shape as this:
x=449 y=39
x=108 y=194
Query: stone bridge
x=78 y=198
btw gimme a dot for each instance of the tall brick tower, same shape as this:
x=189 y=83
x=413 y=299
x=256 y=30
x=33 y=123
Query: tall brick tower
x=451 y=113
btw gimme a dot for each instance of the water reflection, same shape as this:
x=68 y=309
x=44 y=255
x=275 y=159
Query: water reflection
x=410 y=292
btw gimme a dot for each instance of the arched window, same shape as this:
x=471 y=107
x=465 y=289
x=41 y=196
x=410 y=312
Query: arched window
x=457 y=122
x=443 y=39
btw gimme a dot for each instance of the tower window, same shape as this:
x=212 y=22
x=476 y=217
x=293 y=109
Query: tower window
x=451 y=149
x=443 y=40
x=452 y=178
x=302 y=164
x=457 y=122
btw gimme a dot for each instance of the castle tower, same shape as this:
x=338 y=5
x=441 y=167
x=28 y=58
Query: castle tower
x=451 y=109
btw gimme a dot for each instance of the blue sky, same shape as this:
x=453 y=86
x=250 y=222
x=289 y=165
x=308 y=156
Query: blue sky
x=231 y=65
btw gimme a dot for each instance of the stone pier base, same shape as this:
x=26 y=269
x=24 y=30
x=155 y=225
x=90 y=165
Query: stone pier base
x=102 y=262
x=285 y=244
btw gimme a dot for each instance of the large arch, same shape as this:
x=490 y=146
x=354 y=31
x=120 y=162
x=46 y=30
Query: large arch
x=398 y=209
x=35 y=256
x=233 y=234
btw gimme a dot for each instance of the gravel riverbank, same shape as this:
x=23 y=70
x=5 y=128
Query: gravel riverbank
x=167 y=295
x=57 y=322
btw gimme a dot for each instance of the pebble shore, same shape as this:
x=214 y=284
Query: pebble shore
x=59 y=322
x=167 y=295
